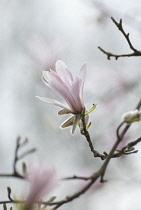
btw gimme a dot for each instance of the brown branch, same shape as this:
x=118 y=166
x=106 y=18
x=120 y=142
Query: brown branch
x=92 y=179
x=17 y=158
x=88 y=138
x=128 y=149
x=119 y=139
x=123 y=151
x=126 y=35
x=77 y=177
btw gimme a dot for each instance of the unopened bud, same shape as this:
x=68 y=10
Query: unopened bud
x=131 y=116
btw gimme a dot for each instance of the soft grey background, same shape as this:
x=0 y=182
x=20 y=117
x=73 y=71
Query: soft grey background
x=33 y=35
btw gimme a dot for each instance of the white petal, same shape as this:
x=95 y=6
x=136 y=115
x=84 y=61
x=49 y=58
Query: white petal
x=65 y=93
x=82 y=76
x=45 y=76
x=75 y=122
x=64 y=73
x=75 y=91
x=52 y=101
x=83 y=72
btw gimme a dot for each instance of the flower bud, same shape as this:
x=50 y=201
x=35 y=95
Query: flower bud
x=131 y=116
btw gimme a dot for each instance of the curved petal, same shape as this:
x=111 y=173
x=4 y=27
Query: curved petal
x=82 y=76
x=44 y=75
x=65 y=93
x=68 y=122
x=63 y=83
x=52 y=101
x=64 y=111
x=49 y=75
x=83 y=72
x=63 y=72
x=75 y=90
x=75 y=122
x=60 y=86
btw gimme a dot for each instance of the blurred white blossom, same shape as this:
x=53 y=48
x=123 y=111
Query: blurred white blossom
x=41 y=180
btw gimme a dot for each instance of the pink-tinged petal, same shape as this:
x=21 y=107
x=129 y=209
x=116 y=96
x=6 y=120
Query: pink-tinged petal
x=63 y=83
x=63 y=72
x=75 y=90
x=51 y=101
x=49 y=75
x=65 y=93
x=60 y=86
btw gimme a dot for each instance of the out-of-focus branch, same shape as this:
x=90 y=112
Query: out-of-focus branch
x=92 y=179
x=106 y=11
x=128 y=149
x=126 y=35
x=77 y=177
x=17 y=158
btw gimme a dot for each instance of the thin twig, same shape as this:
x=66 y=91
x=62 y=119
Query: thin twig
x=17 y=158
x=126 y=35
x=92 y=179
x=119 y=138
x=26 y=153
x=88 y=138
x=77 y=177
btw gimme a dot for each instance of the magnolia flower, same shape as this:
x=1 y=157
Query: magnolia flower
x=41 y=181
x=131 y=116
x=71 y=89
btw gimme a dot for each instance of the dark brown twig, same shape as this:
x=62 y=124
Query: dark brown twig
x=123 y=151
x=88 y=138
x=126 y=35
x=119 y=139
x=77 y=177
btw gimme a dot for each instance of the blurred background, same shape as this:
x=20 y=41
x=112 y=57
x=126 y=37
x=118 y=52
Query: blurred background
x=33 y=35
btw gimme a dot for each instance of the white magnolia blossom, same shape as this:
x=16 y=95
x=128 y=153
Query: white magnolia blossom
x=71 y=89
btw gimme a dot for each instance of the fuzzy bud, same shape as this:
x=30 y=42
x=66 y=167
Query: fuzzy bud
x=131 y=116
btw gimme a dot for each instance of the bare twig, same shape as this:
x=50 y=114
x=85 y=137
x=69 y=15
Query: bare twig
x=77 y=177
x=9 y=193
x=17 y=158
x=123 y=151
x=119 y=138
x=92 y=179
x=126 y=35
x=88 y=138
